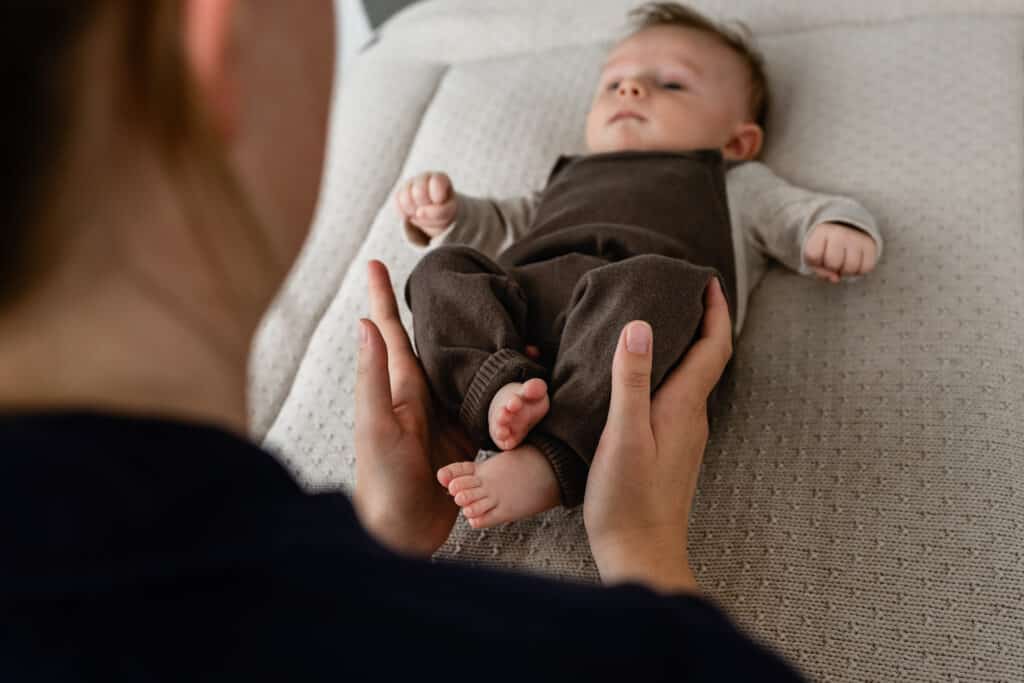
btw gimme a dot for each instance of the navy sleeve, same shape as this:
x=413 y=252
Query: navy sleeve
x=153 y=550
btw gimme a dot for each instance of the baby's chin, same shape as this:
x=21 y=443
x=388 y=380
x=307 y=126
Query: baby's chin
x=623 y=140
x=608 y=147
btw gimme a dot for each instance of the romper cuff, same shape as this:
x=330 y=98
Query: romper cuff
x=570 y=470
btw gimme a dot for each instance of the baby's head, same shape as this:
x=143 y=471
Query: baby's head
x=679 y=82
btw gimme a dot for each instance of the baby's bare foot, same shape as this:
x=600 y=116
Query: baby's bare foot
x=509 y=486
x=514 y=410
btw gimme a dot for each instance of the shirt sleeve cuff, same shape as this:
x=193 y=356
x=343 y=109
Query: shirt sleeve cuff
x=419 y=240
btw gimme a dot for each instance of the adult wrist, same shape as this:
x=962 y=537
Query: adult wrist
x=662 y=565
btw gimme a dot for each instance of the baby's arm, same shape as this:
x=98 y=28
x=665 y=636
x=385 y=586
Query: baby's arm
x=432 y=210
x=825 y=235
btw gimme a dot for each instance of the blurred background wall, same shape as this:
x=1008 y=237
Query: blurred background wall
x=379 y=10
x=357 y=19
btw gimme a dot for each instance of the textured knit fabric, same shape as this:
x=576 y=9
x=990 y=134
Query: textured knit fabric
x=770 y=218
x=860 y=504
x=615 y=237
x=153 y=550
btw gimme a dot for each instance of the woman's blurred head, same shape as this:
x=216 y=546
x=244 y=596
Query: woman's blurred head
x=122 y=116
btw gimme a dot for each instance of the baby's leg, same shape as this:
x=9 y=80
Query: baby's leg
x=668 y=294
x=469 y=318
x=509 y=486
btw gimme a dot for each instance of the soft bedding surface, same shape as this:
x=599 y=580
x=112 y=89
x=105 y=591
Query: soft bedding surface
x=861 y=506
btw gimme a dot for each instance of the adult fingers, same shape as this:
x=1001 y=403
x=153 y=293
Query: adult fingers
x=373 y=385
x=631 y=377
x=402 y=363
x=691 y=383
x=384 y=308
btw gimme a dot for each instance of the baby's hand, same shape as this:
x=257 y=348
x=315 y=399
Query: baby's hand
x=835 y=250
x=428 y=202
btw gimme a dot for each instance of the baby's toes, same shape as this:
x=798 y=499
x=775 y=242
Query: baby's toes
x=460 y=484
x=514 y=405
x=502 y=436
x=534 y=389
x=446 y=474
x=486 y=520
x=480 y=507
x=505 y=442
x=503 y=418
x=470 y=496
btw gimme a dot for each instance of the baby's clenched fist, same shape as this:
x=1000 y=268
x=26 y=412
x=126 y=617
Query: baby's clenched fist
x=428 y=202
x=834 y=251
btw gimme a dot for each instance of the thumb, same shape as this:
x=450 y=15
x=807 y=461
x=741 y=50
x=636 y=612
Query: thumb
x=631 y=377
x=373 y=385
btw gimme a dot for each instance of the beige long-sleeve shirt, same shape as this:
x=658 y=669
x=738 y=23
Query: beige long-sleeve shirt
x=771 y=219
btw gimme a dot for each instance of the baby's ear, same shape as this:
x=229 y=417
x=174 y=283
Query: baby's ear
x=745 y=143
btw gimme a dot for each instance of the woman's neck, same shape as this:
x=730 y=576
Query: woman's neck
x=126 y=347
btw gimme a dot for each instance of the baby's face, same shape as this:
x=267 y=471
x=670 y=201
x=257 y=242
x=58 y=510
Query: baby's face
x=669 y=88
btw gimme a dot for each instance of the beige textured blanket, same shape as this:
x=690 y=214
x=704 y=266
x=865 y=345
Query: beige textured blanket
x=861 y=506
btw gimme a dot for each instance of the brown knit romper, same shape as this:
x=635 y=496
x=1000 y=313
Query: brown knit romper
x=617 y=237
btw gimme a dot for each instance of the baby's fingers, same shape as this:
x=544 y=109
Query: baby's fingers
x=437 y=213
x=853 y=260
x=403 y=198
x=870 y=258
x=825 y=274
x=835 y=255
x=814 y=250
x=418 y=189
x=439 y=187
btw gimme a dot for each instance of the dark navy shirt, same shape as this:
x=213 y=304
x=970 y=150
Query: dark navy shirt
x=149 y=549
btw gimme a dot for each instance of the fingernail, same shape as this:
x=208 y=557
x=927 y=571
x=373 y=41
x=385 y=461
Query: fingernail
x=638 y=338
x=363 y=334
x=716 y=286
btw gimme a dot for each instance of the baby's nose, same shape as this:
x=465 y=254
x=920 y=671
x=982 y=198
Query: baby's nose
x=629 y=87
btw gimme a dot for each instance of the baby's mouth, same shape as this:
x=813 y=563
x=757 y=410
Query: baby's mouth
x=625 y=114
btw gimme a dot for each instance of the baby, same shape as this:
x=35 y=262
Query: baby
x=517 y=314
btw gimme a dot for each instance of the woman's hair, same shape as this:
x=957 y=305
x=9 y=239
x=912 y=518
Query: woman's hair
x=36 y=41
x=738 y=40
x=40 y=56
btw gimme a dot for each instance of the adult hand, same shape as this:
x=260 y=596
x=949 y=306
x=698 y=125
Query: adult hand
x=644 y=474
x=401 y=441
